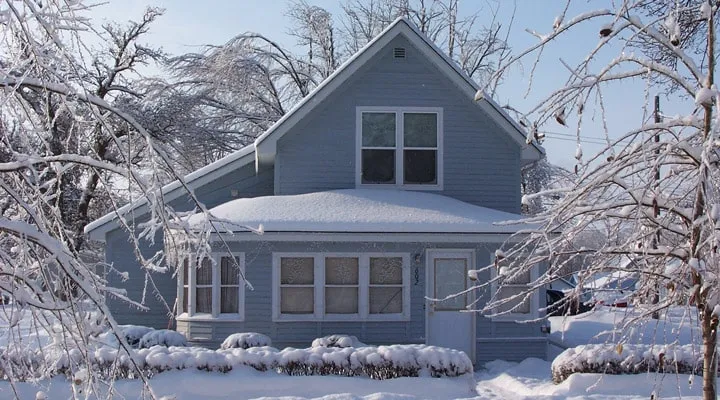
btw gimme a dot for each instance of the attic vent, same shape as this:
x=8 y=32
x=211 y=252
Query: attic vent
x=399 y=52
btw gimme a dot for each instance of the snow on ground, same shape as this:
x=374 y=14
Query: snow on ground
x=604 y=324
x=529 y=379
x=358 y=210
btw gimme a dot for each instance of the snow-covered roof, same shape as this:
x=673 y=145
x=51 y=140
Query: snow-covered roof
x=266 y=143
x=96 y=230
x=264 y=146
x=358 y=210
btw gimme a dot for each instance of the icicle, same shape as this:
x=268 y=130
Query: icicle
x=578 y=153
x=557 y=22
x=479 y=95
x=560 y=117
x=705 y=10
x=673 y=29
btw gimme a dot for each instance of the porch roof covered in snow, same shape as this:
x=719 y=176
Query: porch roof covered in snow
x=358 y=211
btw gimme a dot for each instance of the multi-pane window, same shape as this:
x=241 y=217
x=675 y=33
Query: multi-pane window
x=338 y=286
x=400 y=147
x=212 y=287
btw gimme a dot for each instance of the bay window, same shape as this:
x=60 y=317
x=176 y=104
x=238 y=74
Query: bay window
x=212 y=287
x=399 y=147
x=340 y=286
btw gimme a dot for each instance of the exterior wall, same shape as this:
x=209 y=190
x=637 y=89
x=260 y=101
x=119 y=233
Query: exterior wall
x=119 y=252
x=494 y=339
x=481 y=163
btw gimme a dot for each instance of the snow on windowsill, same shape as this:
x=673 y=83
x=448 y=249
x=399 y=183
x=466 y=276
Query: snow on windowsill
x=185 y=317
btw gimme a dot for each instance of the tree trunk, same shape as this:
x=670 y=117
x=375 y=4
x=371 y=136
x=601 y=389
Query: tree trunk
x=709 y=333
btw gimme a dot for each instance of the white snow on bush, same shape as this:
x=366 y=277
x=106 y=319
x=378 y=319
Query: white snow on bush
x=245 y=340
x=162 y=337
x=341 y=341
x=627 y=359
x=381 y=362
x=134 y=333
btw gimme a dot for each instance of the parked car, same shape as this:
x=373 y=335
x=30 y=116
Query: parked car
x=558 y=304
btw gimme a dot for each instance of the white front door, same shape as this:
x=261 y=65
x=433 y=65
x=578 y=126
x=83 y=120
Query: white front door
x=446 y=323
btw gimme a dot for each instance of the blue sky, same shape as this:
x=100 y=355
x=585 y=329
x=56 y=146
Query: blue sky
x=188 y=24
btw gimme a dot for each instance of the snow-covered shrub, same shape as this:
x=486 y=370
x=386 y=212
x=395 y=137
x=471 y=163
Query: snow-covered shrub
x=627 y=359
x=162 y=337
x=341 y=341
x=383 y=362
x=245 y=341
x=134 y=333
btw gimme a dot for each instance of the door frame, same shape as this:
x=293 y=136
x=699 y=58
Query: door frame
x=430 y=291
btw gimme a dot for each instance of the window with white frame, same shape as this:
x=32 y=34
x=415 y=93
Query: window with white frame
x=400 y=147
x=512 y=290
x=212 y=287
x=341 y=286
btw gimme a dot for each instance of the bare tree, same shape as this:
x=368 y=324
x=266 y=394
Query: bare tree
x=668 y=226
x=479 y=50
x=66 y=145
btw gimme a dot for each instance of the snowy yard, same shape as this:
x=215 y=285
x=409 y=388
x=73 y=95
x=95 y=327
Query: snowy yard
x=498 y=380
x=527 y=380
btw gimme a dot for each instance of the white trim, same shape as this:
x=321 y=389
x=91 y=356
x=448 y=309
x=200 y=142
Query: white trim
x=400 y=147
x=513 y=339
x=216 y=315
x=319 y=286
x=534 y=300
x=430 y=255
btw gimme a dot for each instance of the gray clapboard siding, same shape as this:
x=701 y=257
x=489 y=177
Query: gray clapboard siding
x=258 y=303
x=481 y=163
x=119 y=252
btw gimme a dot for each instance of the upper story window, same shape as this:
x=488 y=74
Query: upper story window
x=400 y=146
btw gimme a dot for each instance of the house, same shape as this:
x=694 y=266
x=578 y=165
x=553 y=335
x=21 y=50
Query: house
x=377 y=191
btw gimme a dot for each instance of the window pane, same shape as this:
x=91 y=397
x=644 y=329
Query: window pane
x=185 y=300
x=378 y=166
x=341 y=300
x=420 y=130
x=450 y=279
x=341 y=271
x=229 y=299
x=229 y=271
x=522 y=303
x=185 y=271
x=297 y=270
x=203 y=275
x=378 y=129
x=386 y=300
x=203 y=300
x=386 y=271
x=297 y=300
x=420 y=166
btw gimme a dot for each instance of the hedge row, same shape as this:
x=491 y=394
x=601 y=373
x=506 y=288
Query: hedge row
x=381 y=362
x=627 y=359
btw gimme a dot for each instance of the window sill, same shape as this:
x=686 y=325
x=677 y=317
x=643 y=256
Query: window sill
x=335 y=318
x=209 y=318
x=399 y=187
x=514 y=318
